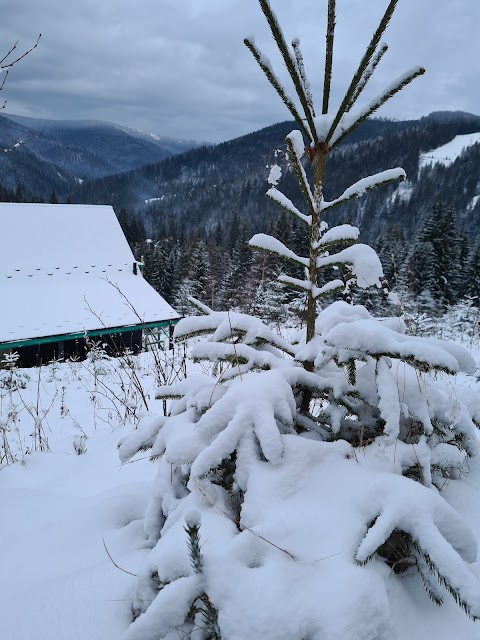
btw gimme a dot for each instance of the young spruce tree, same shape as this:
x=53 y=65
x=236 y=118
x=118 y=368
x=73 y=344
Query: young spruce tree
x=292 y=483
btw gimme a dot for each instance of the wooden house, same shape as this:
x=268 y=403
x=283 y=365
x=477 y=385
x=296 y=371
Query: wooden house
x=68 y=277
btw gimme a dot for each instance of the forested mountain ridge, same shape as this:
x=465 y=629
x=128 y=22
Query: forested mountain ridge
x=55 y=155
x=211 y=184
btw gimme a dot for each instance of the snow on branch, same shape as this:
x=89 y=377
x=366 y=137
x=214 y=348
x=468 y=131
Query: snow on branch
x=306 y=285
x=279 y=198
x=296 y=150
x=465 y=360
x=341 y=234
x=227 y=325
x=298 y=376
x=141 y=439
x=372 y=338
x=266 y=67
x=367 y=74
x=362 y=67
x=200 y=305
x=295 y=283
x=438 y=536
x=366 y=184
x=363 y=261
x=242 y=357
x=258 y=403
x=290 y=63
x=389 y=403
x=174 y=598
x=301 y=72
x=272 y=245
x=330 y=287
x=348 y=124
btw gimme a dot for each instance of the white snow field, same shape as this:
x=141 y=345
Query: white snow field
x=57 y=581
x=449 y=152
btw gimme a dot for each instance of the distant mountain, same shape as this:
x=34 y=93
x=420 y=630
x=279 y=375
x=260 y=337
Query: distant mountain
x=173 y=145
x=62 y=153
x=451 y=116
x=226 y=183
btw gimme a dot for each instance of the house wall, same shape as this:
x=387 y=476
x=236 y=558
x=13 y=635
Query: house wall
x=77 y=349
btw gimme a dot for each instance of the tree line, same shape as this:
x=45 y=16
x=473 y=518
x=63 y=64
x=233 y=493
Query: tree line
x=435 y=268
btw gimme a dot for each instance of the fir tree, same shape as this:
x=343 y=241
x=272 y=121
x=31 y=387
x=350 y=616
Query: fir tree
x=450 y=256
x=435 y=261
x=53 y=198
x=391 y=249
x=473 y=275
x=328 y=442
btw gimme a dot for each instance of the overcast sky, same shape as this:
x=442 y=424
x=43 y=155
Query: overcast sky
x=179 y=68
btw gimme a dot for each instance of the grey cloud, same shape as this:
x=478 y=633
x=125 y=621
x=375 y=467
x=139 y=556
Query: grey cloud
x=181 y=69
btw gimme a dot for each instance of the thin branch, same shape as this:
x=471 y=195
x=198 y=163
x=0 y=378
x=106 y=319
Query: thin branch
x=368 y=74
x=364 y=185
x=20 y=143
x=264 y=65
x=301 y=176
x=243 y=526
x=389 y=92
x=3 y=83
x=114 y=563
x=3 y=65
x=290 y=63
x=8 y=54
x=327 y=81
x=364 y=62
x=287 y=205
x=303 y=76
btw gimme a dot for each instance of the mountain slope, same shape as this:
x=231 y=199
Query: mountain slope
x=211 y=185
x=66 y=152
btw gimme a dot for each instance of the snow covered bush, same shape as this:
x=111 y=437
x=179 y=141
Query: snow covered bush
x=292 y=484
x=11 y=377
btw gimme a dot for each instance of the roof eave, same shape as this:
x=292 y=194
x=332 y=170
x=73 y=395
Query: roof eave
x=92 y=333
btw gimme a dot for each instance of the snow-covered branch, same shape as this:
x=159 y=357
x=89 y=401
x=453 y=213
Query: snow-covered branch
x=296 y=150
x=364 y=185
x=346 y=125
x=279 y=198
x=367 y=74
x=306 y=285
x=291 y=64
x=266 y=67
x=339 y=235
x=363 y=261
x=272 y=245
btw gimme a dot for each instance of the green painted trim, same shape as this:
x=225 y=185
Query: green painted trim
x=64 y=337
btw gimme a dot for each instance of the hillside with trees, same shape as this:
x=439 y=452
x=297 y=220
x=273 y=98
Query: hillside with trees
x=210 y=185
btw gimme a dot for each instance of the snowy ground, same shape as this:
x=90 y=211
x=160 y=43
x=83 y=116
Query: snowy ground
x=57 y=581
x=61 y=509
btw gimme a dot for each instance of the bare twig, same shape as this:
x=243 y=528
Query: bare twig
x=243 y=526
x=9 y=65
x=114 y=563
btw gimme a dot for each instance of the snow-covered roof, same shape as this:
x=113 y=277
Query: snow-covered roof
x=68 y=269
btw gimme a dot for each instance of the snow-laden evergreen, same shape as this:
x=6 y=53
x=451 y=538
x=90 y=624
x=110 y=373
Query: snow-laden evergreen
x=295 y=475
